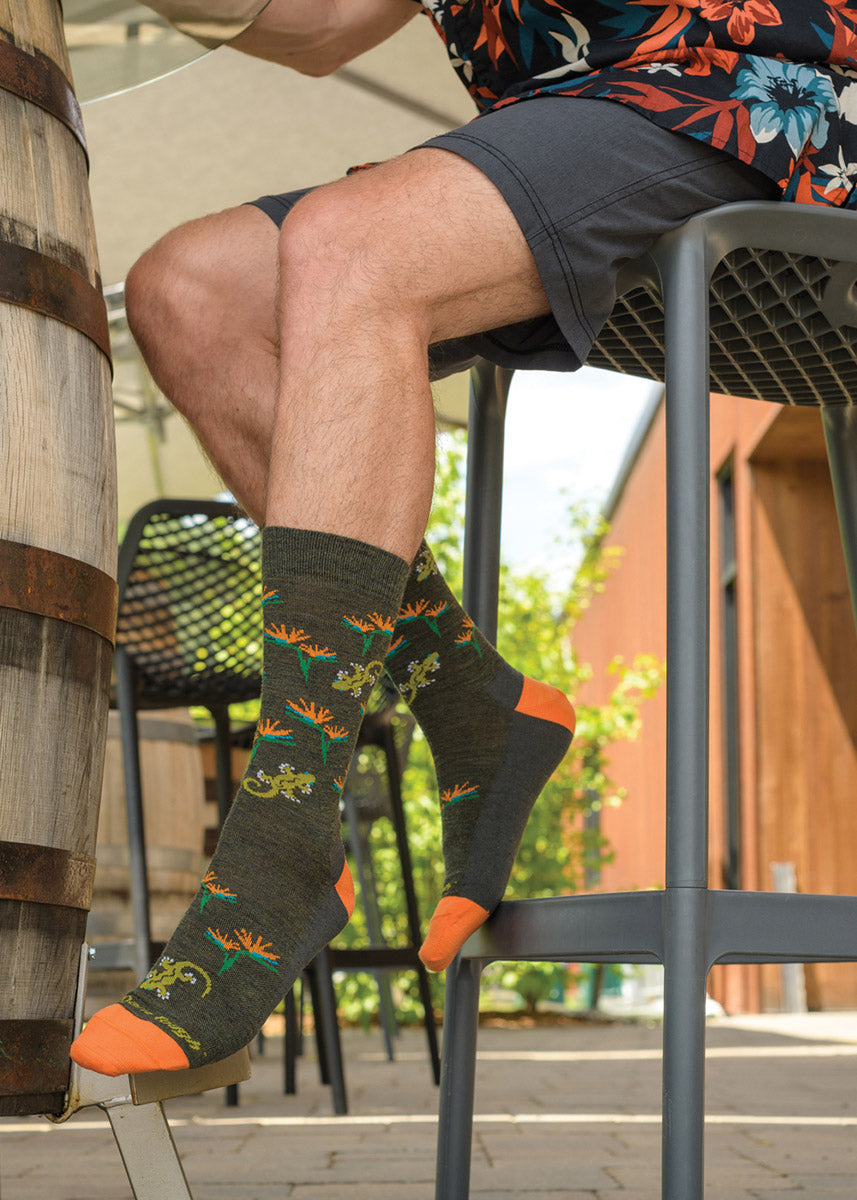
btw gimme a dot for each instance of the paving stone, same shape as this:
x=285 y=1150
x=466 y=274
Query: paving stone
x=362 y=1191
x=229 y=1155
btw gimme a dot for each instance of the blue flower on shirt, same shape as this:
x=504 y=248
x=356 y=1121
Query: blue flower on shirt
x=786 y=98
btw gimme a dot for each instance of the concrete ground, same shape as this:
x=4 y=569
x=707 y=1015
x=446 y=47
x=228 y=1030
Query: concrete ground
x=564 y=1113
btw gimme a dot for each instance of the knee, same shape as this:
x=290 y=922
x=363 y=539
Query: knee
x=340 y=266
x=167 y=294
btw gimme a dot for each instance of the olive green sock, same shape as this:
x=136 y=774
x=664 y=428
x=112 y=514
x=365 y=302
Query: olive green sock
x=496 y=737
x=278 y=888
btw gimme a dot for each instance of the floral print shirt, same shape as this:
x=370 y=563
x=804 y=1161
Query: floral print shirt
x=773 y=82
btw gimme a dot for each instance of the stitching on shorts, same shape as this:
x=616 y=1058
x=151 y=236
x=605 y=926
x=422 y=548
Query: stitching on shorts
x=648 y=181
x=551 y=229
x=566 y=269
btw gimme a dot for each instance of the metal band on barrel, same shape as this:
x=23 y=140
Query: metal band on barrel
x=34 y=1060
x=43 y=284
x=54 y=585
x=39 y=80
x=46 y=875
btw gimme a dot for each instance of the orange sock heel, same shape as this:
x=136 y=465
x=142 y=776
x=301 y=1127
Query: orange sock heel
x=345 y=890
x=546 y=702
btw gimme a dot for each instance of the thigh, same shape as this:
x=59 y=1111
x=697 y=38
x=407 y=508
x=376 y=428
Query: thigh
x=424 y=238
x=592 y=184
x=514 y=227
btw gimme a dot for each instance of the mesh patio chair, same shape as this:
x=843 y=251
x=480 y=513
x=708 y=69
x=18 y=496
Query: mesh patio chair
x=188 y=633
x=755 y=299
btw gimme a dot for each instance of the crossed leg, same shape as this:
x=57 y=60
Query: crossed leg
x=299 y=355
x=301 y=358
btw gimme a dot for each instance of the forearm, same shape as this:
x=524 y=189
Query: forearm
x=314 y=37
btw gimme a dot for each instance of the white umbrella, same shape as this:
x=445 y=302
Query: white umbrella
x=216 y=133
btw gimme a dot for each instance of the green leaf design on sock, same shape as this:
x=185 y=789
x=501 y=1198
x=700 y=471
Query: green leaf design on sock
x=211 y=890
x=424 y=610
x=370 y=627
x=467 y=636
x=270 y=731
x=318 y=717
x=242 y=943
x=299 y=640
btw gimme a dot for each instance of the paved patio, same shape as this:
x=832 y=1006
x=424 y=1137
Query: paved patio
x=564 y=1113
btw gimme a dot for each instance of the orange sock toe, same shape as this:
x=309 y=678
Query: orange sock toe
x=115 y=1042
x=454 y=919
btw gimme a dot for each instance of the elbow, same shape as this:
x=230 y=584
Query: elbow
x=316 y=70
x=318 y=66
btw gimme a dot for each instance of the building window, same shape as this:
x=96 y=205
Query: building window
x=729 y=679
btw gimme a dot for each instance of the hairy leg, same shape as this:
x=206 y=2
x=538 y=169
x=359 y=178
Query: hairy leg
x=369 y=270
x=301 y=358
x=202 y=305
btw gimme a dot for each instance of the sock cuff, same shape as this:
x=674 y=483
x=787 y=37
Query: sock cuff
x=330 y=558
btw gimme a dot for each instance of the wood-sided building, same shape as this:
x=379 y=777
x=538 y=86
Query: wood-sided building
x=783 y=770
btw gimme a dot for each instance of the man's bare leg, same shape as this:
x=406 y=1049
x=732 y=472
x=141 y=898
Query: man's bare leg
x=202 y=305
x=363 y=291
x=371 y=269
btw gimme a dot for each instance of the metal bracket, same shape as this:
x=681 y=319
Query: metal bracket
x=133 y=1107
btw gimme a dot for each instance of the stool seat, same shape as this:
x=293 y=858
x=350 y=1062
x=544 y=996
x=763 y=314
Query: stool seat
x=756 y=299
x=781 y=320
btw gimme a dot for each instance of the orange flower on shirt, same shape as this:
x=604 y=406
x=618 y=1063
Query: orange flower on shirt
x=741 y=16
x=698 y=60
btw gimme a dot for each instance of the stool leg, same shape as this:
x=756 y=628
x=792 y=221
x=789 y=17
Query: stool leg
x=458 y=1079
x=398 y=810
x=489 y=393
x=149 y=1154
x=358 y=842
x=290 y=1044
x=224 y=789
x=130 y=734
x=840 y=434
x=311 y=975
x=325 y=1014
x=685 y=287
x=684 y=1045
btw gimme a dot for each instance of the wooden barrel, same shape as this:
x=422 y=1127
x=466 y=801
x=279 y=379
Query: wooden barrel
x=57 y=553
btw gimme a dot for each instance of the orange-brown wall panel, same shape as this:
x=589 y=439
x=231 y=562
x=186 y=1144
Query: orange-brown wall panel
x=629 y=618
x=806 y=710
x=797 y=675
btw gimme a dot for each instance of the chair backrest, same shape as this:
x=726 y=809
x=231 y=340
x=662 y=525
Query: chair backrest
x=783 y=324
x=190 y=603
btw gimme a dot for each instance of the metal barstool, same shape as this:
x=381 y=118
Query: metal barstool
x=754 y=299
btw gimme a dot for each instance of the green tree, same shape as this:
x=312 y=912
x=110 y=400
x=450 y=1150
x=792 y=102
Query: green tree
x=561 y=849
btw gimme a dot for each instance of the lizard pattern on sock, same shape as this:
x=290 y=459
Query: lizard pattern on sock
x=496 y=737
x=278 y=888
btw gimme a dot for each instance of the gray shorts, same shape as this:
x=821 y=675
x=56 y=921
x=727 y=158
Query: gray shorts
x=592 y=185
